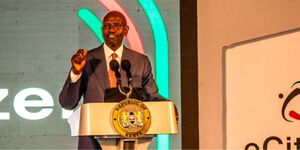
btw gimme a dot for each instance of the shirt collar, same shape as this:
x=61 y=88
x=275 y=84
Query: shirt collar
x=108 y=51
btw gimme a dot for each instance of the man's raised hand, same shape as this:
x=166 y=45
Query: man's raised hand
x=78 y=61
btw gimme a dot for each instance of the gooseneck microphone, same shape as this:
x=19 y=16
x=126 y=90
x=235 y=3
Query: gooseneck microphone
x=114 y=66
x=126 y=65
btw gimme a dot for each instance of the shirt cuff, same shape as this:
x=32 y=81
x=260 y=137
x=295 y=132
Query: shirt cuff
x=74 y=77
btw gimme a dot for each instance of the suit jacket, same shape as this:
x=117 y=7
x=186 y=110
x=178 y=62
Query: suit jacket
x=94 y=79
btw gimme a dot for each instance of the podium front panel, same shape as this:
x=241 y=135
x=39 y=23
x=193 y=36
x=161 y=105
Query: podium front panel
x=96 y=118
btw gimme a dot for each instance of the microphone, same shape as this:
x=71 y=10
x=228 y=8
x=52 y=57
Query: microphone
x=126 y=65
x=114 y=66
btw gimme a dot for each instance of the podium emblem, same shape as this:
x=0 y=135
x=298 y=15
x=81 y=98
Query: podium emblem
x=131 y=118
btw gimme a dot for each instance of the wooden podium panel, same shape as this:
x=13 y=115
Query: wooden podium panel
x=96 y=119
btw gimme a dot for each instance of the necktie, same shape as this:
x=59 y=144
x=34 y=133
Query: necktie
x=111 y=73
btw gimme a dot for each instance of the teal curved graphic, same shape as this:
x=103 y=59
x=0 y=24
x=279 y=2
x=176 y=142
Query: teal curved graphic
x=161 y=45
x=161 y=58
x=92 y=22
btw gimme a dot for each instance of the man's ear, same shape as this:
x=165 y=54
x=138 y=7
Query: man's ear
x=126 y=30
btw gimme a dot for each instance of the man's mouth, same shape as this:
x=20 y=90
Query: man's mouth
x=111 y=36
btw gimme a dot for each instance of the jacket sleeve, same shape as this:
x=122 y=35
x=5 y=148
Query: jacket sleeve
x=70 y=93
x=149 y=84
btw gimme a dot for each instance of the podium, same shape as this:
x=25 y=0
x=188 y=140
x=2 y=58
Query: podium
x=96 y=119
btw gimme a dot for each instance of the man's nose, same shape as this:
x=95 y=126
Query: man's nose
x=111 y=29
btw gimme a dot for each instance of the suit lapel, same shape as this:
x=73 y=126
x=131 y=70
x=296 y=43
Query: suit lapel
x=126 y=54
x=101 y=69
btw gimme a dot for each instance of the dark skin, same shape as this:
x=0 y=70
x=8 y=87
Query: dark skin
x=114 y=29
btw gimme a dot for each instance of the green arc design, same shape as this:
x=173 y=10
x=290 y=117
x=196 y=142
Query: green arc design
x=161 y=58
x=92 y=22
x=295 y=83
x=161 y=45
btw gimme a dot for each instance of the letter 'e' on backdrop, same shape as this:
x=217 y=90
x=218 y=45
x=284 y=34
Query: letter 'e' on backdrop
x=262 y=93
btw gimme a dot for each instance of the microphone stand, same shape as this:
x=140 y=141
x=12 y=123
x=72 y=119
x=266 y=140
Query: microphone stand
x=124 y=92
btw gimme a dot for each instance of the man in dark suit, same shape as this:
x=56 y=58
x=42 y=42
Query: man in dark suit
x=90 y=71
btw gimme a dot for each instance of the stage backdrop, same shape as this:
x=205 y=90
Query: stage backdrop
x=262 y=88
x=38 y=38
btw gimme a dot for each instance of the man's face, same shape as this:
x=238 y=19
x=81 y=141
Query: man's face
x=114 y=29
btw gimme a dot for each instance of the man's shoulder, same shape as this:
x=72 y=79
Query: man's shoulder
x=95 y=50
x=134 y=53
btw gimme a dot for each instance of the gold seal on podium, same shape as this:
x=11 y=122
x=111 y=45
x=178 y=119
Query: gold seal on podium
x=131 y=118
